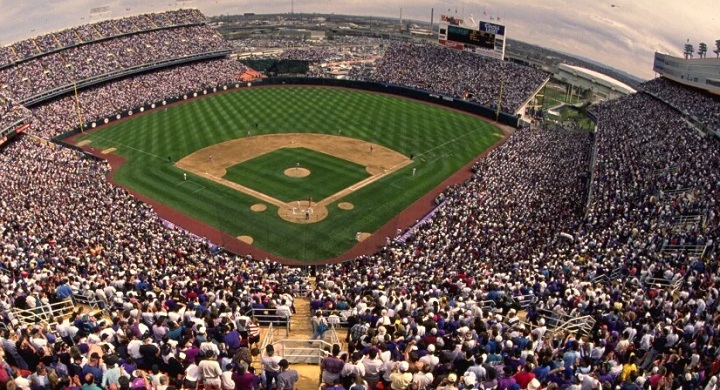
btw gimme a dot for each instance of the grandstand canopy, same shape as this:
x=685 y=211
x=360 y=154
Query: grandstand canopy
x=593 y=77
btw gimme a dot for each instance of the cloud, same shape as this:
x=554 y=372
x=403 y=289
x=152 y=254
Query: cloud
x=624 y=37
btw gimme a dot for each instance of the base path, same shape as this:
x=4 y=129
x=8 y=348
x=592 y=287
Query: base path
x=405 y=219
x=212 y=163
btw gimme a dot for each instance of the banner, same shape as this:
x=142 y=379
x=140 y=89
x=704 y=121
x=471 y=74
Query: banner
x=454 y=20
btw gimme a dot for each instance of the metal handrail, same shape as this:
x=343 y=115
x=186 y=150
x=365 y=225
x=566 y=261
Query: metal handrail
x=44 y=313
x=305 y=349
x=269 y=336
x=560 y=322
x=274 y=318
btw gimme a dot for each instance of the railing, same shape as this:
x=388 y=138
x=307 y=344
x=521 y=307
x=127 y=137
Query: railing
x=692 y=250
x=88 y=298
x=615 y=274
x=333 y=322
x=524 y=300
x=45 y=314
x=332 y=315
x=302 y=350
x=270 y=317
x=558 y=322
x=663 y=283
x=268 y=339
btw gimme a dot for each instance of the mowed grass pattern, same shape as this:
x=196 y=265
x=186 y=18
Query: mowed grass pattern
x=441 y=140
x=328 y=174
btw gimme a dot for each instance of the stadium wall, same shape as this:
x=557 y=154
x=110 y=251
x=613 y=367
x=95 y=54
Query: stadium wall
x=416 y=94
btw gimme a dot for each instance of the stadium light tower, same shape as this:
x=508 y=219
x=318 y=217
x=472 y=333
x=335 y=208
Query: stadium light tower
x=717 y=48
x=702 y=50
x=689 y=49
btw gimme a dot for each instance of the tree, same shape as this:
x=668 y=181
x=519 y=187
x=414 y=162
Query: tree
x=702 y=50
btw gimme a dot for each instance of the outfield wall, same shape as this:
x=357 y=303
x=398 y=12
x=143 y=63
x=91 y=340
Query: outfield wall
x=416 y=94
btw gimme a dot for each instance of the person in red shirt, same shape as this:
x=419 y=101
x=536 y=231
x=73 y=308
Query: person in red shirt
x=243 y=379
x=524 y=377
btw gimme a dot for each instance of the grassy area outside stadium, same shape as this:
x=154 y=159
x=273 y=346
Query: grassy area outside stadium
x=436 y=142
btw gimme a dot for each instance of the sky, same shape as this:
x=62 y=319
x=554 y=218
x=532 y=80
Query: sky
x=620 y=33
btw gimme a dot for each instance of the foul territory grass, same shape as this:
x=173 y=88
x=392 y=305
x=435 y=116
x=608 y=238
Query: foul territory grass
x=266 y=174
x=441 y=141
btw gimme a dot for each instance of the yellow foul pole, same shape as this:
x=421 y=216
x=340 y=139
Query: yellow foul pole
x=77 y=107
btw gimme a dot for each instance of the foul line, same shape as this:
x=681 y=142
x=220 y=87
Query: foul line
x=126 y=146
x=445 y=143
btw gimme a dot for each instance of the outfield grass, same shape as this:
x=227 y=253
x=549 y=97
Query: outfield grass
x=328 y=174
x=441 y=140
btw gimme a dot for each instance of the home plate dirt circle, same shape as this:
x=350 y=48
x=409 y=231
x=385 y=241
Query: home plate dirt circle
x=258 y=207
x=246 y=239
x=300 y=212
x=346 y=206
x=297 y=172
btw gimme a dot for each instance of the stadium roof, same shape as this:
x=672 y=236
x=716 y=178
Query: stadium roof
x=591 y=74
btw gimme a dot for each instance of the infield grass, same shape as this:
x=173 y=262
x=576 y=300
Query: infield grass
x=442 y=141
x=266 y=174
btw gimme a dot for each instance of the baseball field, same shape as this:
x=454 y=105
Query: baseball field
x=300 y=172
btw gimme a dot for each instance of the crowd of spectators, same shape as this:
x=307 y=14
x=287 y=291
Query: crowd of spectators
x=87 y=33
x=702 y=105
x=459 y=74
x=12 y=113
x=417 y=309
x=175 y=293
x=78 y=63
x=106 y=100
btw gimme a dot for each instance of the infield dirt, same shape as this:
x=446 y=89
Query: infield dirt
x=212 y=163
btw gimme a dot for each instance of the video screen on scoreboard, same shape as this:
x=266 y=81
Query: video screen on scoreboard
x=471 y=37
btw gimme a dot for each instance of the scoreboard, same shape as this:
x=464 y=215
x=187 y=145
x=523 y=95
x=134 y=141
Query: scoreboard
x=471 y=37
x=488 y=39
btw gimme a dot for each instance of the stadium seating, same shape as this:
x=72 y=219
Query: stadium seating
x=517 y=277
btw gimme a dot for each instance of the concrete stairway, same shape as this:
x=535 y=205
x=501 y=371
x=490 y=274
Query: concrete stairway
x=300 y=325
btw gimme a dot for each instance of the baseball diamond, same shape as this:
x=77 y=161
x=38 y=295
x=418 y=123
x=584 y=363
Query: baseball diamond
x=304 y=153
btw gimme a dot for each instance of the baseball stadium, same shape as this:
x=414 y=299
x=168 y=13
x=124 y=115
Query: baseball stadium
x=196 y=199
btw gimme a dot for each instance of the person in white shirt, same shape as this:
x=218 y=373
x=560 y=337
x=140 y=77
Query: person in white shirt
x=133 y=347
x=210 y=372
x=271 y=367
x=226 y=378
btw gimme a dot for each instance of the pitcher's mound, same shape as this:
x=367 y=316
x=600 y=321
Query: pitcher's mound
x=297 y=172
x=346 y=206
x=300 y=212
x=258 y=207
x=362 y=235
x=246 y=239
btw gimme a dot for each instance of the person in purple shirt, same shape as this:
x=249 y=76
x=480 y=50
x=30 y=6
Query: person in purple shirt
x=507 y=381
x=231 y=338
x=191 y=352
